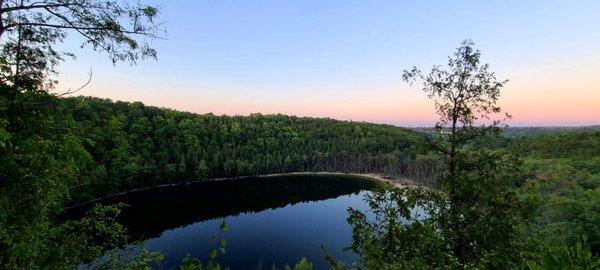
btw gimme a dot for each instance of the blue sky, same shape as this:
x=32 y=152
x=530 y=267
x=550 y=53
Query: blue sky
x=344 y=59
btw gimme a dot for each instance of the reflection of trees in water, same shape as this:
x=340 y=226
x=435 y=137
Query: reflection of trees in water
x=152 y=211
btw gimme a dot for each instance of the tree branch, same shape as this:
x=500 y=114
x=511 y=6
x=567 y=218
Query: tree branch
x=89 y=28
x=68 y=92
x=34 y=6
x=62 y=17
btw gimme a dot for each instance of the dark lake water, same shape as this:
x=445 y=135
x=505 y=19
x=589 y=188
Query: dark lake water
x=271 y=220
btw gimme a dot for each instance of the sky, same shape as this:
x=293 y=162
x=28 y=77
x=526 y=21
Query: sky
x=344 y=59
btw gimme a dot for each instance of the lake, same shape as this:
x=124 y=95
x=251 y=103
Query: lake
x=272 y=220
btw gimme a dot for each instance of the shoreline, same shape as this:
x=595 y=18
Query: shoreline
x=398 y=183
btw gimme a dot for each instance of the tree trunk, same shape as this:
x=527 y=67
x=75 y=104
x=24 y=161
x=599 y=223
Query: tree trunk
x=457 y=226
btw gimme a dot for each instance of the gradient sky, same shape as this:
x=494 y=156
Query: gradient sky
x=344 y=59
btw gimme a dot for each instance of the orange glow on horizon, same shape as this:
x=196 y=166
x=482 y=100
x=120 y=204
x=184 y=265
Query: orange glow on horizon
x=546 y=96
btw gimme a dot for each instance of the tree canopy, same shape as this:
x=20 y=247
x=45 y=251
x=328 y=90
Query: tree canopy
x=41 y=155
x=487 y=208
x=31 y=30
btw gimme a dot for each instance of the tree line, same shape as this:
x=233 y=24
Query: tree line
x=130 y=145
x=489 y=209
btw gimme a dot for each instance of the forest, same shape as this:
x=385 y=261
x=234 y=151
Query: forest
x=119 y=146
x=561 y=191
x=495 y=197
x=129 y=145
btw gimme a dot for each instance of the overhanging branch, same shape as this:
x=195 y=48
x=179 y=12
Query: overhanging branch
x=84 y=28
x=34 y=6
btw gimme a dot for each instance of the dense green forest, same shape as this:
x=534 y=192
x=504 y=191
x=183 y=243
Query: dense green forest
x=81 y=148
x=528 y=200
x=561 y=191
x=129 y=145
x=116 y=146
x=516 y=132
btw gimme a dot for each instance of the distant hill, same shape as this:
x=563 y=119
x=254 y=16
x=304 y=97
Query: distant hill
x=534 y=131
x=515 y=132
x=132 y=145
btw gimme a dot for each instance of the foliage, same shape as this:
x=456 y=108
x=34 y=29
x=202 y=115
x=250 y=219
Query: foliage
x=191 y=263
x=415 y=228
x=517 y=132
x=494 y=211
x=39 y=161
x=561 y=195
x=302 y=264
x=80 y=240
x=31 y=30
x=42 y=154
x=478 y=217
x=563 y=256
x=538 y=213
x=128 y=257
x=401 y=234
x=572 y=145
x=56 y=151
x=101 y=151
x=464 y=95
x=133 y=146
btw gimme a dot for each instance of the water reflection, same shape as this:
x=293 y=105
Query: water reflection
x=274 y=220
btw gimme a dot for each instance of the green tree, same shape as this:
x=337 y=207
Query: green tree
x=466 y=96
x=42 y=155
x=202 y=171
x=468 y=219
x=30 y=31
